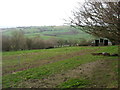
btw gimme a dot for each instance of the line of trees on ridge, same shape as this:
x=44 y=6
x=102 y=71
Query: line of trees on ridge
x=18 y=41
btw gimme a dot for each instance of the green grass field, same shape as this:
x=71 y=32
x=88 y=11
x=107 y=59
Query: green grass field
x=47 y=32
x=67 y=67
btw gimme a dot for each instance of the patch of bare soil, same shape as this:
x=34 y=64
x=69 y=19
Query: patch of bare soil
x=105 y=75
x=85 y=70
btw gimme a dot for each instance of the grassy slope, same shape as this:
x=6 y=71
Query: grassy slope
x=101 y=76
x=39 y=72
x=35 y=56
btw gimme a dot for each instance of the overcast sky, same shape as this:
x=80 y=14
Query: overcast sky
x=35 y=12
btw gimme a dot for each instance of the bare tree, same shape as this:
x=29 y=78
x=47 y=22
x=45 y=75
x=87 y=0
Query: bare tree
x=100 y=19
x=5 y=43
x=18 y=41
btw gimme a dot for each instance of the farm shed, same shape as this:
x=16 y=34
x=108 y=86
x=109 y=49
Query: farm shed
x=101 y=42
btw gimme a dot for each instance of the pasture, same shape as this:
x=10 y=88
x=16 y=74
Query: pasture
x=47 y=32
x=66 y=67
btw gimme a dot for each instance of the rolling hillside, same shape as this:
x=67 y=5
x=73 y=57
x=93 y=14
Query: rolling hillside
x=47 y=32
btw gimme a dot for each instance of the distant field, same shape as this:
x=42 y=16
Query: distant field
x=47 y=32
x=67 y=67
